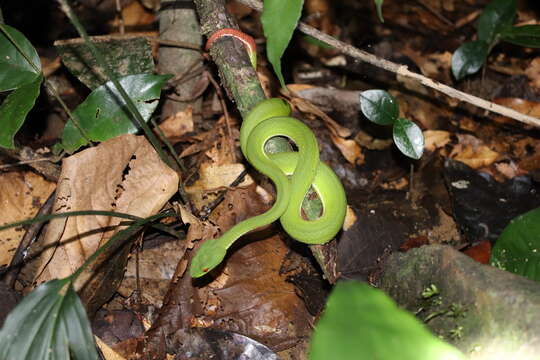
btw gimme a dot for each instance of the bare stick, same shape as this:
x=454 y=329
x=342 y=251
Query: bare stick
x=404 y=71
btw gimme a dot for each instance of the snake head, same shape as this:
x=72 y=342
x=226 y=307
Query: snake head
x=209 y=255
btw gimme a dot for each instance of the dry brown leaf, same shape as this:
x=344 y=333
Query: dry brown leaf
x=306 y=106
x=108 y=353
x=249 y=295
x=350 y=150
x=123 y=174
x=174 y=127
x=134 y=14
x=509 y=170
x=526 y=107
x=369 y=142
x=473 y=152
x=435 y=139
x=350 y=218
x=198 y=230
x=22 y=195
x=533 y=73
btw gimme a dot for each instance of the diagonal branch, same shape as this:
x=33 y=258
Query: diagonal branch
x=404 y=71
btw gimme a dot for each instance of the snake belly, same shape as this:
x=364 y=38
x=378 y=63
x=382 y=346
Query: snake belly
x=292 y=173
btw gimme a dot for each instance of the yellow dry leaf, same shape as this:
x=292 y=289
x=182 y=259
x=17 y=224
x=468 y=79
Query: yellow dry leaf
x=22 y=195
x=174 y=127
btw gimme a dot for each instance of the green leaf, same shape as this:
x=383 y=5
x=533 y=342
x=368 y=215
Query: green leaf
x=15 y=70
x=14 y=109
x=379 y=106
x=469 y=58
x=279 y=19
x=104 y=115
x=498 y=15
x=518 y=247
x=379 y=4
x=408 y=138
x=526 y=35
x=361 y=322
x=314 y=41
x=49 y=323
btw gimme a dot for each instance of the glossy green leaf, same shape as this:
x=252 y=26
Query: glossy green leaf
x=496 y=16
x=49 y=323
x=103 y=115
x=526 y=35
x=279 y=19
x=408 y=138
x=15 y=70
x=361 y=322
x=518 y=247
x=379 y=106
x=469 y=58
x=379 y=4
x=14 y=109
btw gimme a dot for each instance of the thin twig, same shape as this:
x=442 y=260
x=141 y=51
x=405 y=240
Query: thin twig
x=436 y=13
x=405 y=72
x=225 y=113
x=121 y=27
x=31 y=233
x=180 y=44
x=207 y=209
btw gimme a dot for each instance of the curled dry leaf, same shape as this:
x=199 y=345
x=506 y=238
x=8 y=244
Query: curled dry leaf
x=350 y=150
x=473 y=152
x=350 y=218
x=435 y=139
x=174 y=127
x=309 y=108
x=22 y=195
x=198 y=230
x=122 y=174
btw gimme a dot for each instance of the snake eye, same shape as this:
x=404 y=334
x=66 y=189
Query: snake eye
x=205 y=269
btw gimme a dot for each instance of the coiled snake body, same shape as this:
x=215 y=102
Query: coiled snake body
x=292 y=173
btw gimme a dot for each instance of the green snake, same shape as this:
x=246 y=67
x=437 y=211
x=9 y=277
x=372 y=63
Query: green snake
x=292 y=173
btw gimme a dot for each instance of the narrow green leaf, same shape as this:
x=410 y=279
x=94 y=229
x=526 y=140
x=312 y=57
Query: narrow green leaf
x=49 y=323
x=279 y=19
x=14 y=109
x=408 y=138
x=469 y=58
x=104 y=115
x=379 y=4
x=526 y=35
x=361 y=322
x=15 y=70
x=379 y=106
x=314 y=41
x=518 y=247
x=496 y=16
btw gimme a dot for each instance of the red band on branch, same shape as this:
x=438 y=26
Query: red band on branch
x=237 y=34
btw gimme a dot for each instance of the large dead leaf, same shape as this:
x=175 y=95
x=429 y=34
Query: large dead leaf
x=21 y=197
x=249 y=295
x=123 y=174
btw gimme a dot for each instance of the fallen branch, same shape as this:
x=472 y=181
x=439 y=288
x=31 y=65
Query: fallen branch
x=404 y=71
